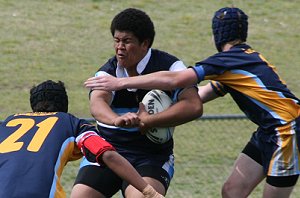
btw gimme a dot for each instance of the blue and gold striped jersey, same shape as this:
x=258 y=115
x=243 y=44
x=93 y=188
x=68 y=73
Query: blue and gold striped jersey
x=34 y=148
x=253 y=83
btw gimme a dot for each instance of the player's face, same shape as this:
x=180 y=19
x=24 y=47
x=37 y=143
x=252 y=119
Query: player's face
x=129 y=51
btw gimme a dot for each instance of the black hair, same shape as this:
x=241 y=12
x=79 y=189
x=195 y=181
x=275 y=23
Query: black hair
x=49 y=96
x=134 y=21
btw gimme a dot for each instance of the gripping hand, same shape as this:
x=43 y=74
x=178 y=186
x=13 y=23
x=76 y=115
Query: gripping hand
x=150 y=192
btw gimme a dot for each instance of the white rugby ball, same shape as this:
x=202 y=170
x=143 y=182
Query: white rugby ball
x=156 y=101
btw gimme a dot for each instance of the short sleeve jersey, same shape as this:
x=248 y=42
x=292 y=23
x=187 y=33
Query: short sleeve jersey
x=34 y=149
x=253 y=83
x=129 y=141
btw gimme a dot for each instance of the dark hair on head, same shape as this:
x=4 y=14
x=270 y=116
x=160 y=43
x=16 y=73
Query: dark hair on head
x=229 y=24
x=134 y=21
x=49 y=96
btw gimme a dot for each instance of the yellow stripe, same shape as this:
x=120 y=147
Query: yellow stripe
x=284 y=155
x=286 y=108
x=70 y=153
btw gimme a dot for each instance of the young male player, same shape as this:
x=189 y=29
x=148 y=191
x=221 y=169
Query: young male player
x=116 y=114
x=35 y=147
x=256 y=87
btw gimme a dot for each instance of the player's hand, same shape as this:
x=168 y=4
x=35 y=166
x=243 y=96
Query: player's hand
x=128 y=120
x=150 y=192
x=107 y=82
x=142 y=113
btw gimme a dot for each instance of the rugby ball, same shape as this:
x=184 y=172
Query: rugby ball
x=156 y=101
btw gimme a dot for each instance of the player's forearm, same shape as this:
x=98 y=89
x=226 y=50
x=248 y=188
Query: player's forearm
x=123 y=169
x=163 y=80
x=180 y=113
x=207 y=93
x=127 y=172
x=102 y=112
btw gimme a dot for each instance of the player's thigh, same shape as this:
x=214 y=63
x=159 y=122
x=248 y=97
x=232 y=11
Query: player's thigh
x=101 y=179
x=81 y=190
x=279 y=186
x=246 y=174
x=277 y=192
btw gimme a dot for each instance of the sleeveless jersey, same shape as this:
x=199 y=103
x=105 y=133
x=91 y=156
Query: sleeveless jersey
x=253 y=83
x=34 y=149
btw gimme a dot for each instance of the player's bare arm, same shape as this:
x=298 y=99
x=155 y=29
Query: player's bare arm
x=188 y=108
x=164 y=80
x=207 y=93
x=101 y=111
x=96 y=149
x=99 y=106
x=114 y=161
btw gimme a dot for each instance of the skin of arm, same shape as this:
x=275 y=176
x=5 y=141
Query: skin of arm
x=101 y=111
x=207 y=93
x=188 y=108
x=99 y=106
x=164 y=80
x=118 y=164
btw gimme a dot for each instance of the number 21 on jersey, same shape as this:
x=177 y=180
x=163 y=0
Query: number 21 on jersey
x=11 y=143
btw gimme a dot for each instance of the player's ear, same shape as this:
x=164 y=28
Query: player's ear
x=146 y=44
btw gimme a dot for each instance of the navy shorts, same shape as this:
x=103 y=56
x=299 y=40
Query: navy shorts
x=104 y=180
x=278 y=153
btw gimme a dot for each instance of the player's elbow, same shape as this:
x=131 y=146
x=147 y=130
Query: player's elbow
x=194 y=110
x=198 y=109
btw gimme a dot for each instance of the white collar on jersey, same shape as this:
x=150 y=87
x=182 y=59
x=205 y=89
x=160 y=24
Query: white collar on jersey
x=121 y=71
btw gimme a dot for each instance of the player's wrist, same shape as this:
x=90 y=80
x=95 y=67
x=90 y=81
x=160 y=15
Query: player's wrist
x=121 y=83
x=150 y=192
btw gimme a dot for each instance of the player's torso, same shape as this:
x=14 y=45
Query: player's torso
x=34 y=149
x=126 y=100
x=255 y=86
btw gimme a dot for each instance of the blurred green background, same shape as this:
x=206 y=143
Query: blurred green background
x=69 y=39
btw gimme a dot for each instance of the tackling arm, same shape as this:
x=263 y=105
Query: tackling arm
x=126 y=171
x=207 y=93
x=93 y=146
x=164 y=80
x=96 y=149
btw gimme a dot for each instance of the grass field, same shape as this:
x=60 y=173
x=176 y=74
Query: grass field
x=68 y=39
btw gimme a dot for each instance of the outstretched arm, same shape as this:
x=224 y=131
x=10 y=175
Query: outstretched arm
x=207 y=93
x=164 y=80
x=125 y=170
x=96 y=149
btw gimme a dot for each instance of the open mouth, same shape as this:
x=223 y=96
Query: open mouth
x=120 y=55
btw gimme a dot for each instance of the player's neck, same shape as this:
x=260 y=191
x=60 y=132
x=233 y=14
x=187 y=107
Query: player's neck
x=226 y=47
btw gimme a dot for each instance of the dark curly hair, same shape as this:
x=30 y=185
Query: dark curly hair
x=49 y=96
x=134 y=21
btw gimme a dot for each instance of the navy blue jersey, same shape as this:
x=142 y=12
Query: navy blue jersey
x=130 y=141
x=253 y=83
x=34 y=149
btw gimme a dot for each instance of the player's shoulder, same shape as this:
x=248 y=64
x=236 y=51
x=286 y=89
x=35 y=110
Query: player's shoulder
x=39 y=116
x=110 y=66
x=163 y=54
